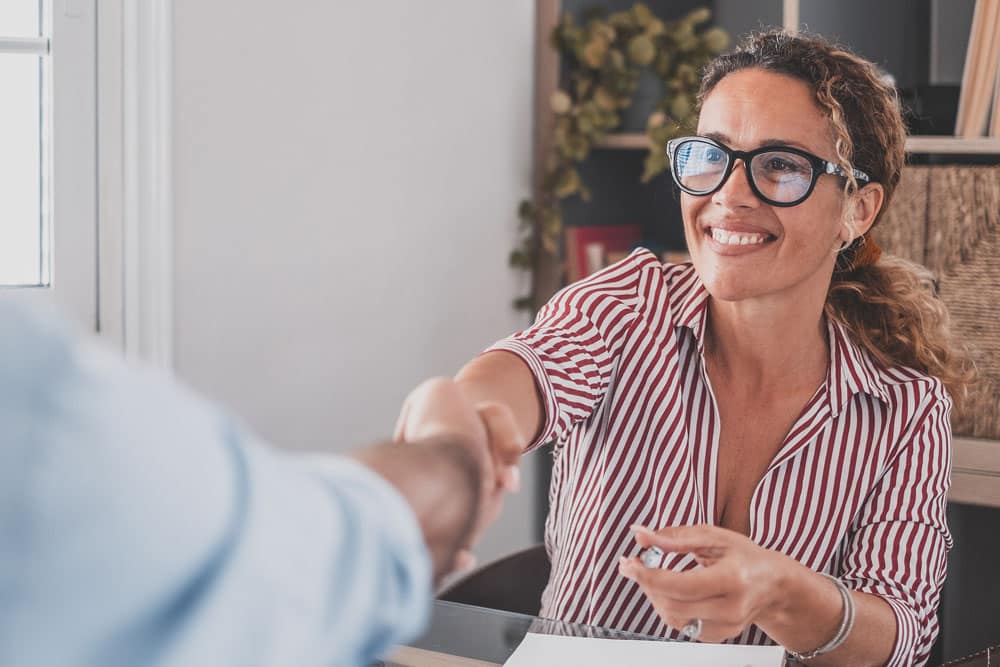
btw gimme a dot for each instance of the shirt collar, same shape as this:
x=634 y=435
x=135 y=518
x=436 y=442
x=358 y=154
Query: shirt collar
x=852 y=369
x=688 y=299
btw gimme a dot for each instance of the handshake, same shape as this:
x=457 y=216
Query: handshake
x=453 y=458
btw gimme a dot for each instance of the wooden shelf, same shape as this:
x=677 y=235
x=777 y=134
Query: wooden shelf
x=916 y=144
x=975 y=472
x=954 y=145
x=626 y=140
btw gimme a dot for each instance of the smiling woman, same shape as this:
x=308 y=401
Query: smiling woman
x=773 y=416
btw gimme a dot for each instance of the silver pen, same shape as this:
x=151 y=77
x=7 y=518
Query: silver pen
x=652 y=557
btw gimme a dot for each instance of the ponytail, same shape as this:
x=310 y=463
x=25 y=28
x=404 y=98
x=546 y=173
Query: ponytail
x=891 y=308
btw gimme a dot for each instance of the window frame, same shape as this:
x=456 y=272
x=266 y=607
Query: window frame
x=71 y=164
x=135 y=177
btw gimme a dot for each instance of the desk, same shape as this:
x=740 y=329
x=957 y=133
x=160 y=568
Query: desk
x=464 y=636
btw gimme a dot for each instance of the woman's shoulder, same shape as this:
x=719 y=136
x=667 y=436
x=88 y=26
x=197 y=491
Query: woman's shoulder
x=908 y=383
x=644 y=261
x=906 y=393
x=639 y=280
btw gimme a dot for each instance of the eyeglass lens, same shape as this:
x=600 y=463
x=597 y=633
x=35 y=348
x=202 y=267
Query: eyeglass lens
x=780 y=176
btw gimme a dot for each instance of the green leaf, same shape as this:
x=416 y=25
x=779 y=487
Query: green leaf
x=716 y=39
x=642 y=15
x=641 y=50
x=698 y=16
x=560 y=102
x=568 y=183
x=680 y=106
x=594 y=52
x=521 y=257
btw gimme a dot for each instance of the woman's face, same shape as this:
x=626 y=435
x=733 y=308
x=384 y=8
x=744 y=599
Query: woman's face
x=742 y=247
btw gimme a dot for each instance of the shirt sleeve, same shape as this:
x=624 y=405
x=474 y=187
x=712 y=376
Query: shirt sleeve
x=140 y=525
x=899 y=546
x=577 y=339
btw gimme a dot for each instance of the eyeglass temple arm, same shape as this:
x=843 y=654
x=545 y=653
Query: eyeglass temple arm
x=834 y=169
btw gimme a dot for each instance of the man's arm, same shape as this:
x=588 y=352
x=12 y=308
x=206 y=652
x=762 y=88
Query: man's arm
x=142 y=526
x=440 y=480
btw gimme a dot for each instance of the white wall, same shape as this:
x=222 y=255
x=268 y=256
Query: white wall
x=346 y=179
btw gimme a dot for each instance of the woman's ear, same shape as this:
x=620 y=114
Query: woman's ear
x=864 y=208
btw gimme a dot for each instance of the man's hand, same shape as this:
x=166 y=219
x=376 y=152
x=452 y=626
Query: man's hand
x=438 y=408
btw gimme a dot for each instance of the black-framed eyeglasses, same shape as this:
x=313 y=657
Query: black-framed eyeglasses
x=778 y=175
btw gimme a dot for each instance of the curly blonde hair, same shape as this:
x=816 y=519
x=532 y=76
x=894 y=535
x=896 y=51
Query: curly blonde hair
x=889 y=305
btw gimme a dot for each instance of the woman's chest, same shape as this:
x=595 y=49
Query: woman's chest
x=752 y=430
x=793 y=479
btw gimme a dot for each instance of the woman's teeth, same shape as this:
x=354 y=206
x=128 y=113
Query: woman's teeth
x=736 y=238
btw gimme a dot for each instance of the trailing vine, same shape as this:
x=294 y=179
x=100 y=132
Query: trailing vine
x=604 y=55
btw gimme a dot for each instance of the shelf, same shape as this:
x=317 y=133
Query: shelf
x=975 y=472
x=626 y=140
x=916 y=144
x=954 y=145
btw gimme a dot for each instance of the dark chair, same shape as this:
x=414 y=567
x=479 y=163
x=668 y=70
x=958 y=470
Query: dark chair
x=988 y=657
x=512 y=583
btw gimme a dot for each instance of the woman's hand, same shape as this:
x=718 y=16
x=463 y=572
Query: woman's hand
x=739 y=583
x=439 y=407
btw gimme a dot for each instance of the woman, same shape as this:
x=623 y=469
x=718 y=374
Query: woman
x=776 y=412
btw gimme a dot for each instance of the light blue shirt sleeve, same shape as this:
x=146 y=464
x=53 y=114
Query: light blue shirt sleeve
x=141 y=526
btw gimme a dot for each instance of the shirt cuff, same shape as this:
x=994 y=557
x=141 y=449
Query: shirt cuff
x=907 y=633
x=405 y=525
x=400 y=528
x=528 y=355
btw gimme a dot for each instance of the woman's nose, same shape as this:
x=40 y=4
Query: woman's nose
x=736 y=191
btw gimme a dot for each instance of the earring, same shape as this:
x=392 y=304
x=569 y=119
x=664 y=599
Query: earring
x=852 y=234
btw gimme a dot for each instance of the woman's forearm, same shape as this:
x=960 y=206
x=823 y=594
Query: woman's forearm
x=503 y=377
x=807 y=613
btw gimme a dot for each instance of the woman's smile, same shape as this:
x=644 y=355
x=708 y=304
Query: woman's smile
x=736 y=238
x=728 y=243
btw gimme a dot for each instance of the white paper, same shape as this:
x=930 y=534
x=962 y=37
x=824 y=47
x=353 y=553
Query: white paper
x=553 y=650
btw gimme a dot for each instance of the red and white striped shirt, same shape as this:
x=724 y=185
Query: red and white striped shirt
x=858 y=488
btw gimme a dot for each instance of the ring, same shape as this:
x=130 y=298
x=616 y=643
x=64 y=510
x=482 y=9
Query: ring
x=692 y=630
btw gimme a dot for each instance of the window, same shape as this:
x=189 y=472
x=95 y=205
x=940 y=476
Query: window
x=48 y=233
x=23 y=252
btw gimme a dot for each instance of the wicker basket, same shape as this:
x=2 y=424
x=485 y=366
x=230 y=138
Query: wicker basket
x=948 y=218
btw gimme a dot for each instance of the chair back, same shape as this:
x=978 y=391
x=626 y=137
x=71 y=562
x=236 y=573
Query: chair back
x=512 y=583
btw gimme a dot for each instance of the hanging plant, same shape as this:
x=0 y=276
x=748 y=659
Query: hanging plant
x=603 y=57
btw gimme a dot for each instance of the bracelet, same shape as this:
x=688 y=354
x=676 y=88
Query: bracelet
x=846 y=623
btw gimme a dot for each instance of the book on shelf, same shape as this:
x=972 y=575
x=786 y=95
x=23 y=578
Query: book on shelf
x=590 y=247
x=979 y=76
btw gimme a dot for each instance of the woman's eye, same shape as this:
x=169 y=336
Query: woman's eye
x=781 y=165
x=714 y=155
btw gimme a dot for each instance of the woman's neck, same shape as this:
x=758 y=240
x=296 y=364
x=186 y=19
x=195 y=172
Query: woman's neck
x=767 y=346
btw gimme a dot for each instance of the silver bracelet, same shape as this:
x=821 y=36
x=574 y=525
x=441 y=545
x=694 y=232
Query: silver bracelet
x=846 y=623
